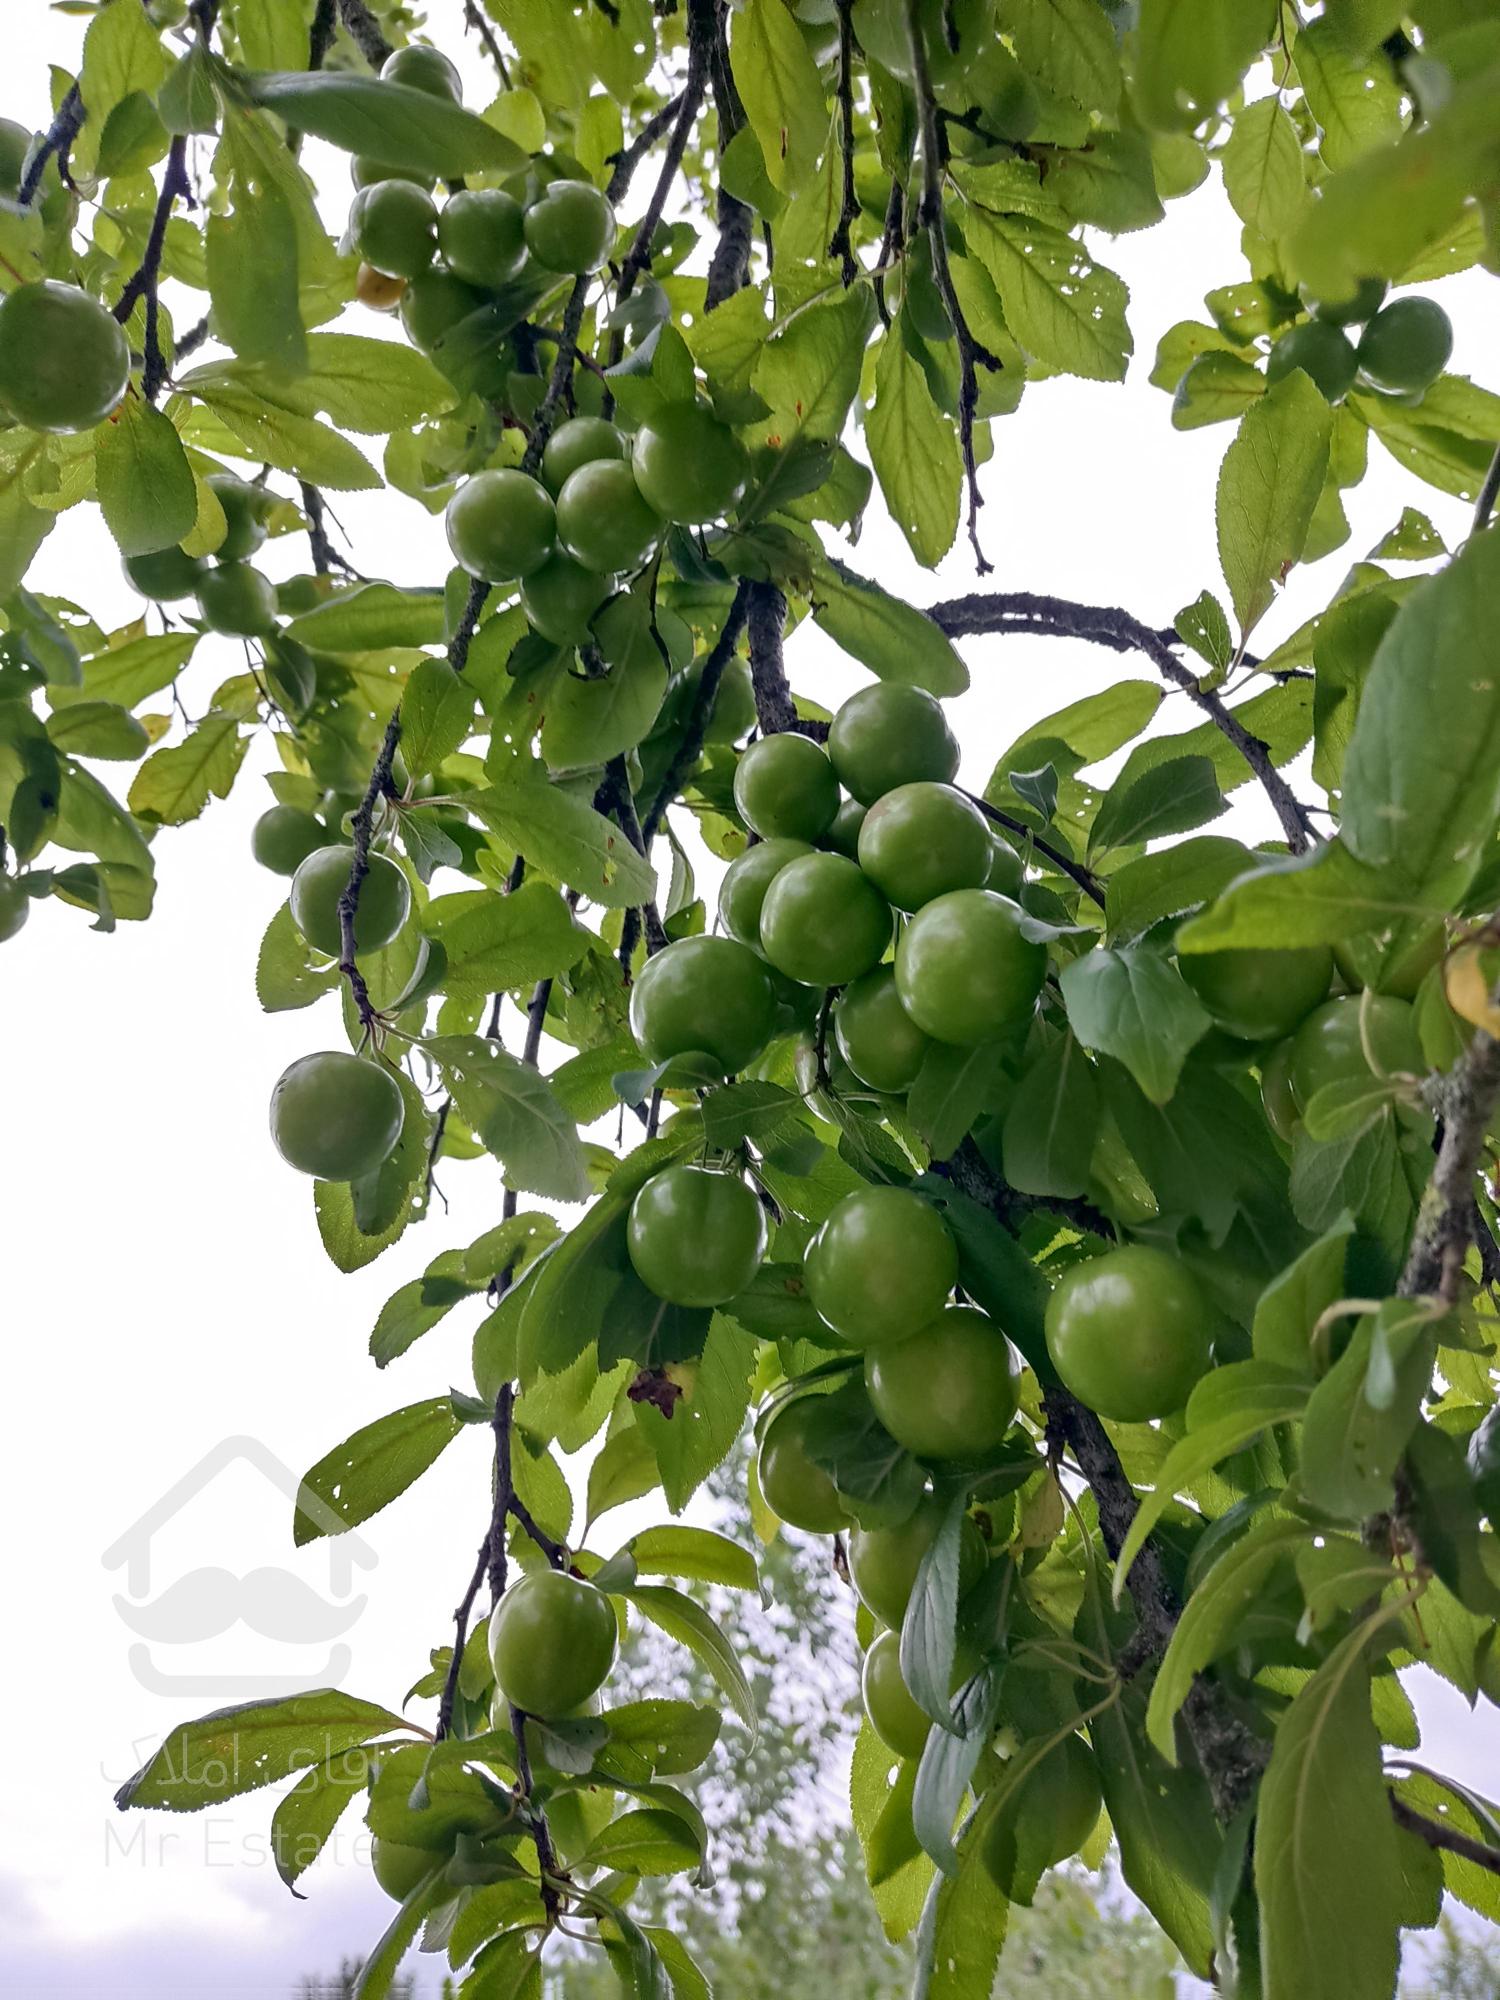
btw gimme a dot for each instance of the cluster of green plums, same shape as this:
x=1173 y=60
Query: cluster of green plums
x=1403 y=349
x=232 y=595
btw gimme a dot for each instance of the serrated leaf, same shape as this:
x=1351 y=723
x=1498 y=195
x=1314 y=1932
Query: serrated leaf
x=1135 y=1005
x=1190 y=58
x=176 y=782
x=1356 y=1426
x=567 y=839
x=514 y=1113
x=307 y=1814
x=369 y=618
x=1062 y=307
x=495 y=943
x=781 y=90
x=914 y=450
x=894 y=640
x=1169 y=798
x=385 y=120
x=1263 y=171
x=145 y=483
x=1268 y=487
x=1052 y=1123
x=237 y=1749
x=372 y=1468
x=437 y=713
x=687 y=1622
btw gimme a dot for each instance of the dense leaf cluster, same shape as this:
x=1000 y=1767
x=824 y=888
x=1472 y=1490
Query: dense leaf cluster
x=1194 y=1127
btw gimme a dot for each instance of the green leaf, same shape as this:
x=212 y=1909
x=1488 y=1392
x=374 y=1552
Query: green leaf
x=1053 y=1122
x=1352 y=1444
x=372 y=1468
x=23 y=529
x=589 y=721
x=1190 y=58
x=697 y=1553
x=963 y=1926
x=1213 y=1614
x=894 y=640
x=1263 y=171
x=1296 y=1298
x=781 y=90
x=360 y=385
x=359 y=1220
x=995 y=1271
x=929 y=1631
x=808 y=375
x=1179 y=878
x=1329 y=1917
x=145 y=483
x=949 y=1760
x=515 y=1115
x=1169 y=798
x=1357 y=105
x=235 y=1750
x=567 y=840
x=496 y=943
x=952 y=1089
x=1229 y=1407
x=1067 y=46
x=176 y=782
x=1317 y=898
x=288 y=972
x=288 y=439
x=1135 y=1005
x=122 y=55
x=1062 y=307
x=914 y=450
x=384 y=120
x=252 y=252
x=708 y=1417
x=127 y=674
x=437 y=713
x=1422 y=772
x=369 y=618
x=645 y=1842
x=1269 y=484
x=307 y=1814
x=687 y=1622
x=98 y=729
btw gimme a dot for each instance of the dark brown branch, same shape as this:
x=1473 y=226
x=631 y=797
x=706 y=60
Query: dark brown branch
x=474 y=19
x=461 y=1619
x=638 y=256
x=468 y=625
x=325 y=557
x=365 y=31
x=972 y=353
x=1103 y=625
x=729 y=267
x=1085 y=878
x=629 y=158
x=381 y=786
x=690 y=748
x=144 y=282
x=192 y=340
x=766 y=618
x=616 y=799
x=560 y=381
x=1445 y=1839
x=325 y=23
x=841 y=244
x=56 y=143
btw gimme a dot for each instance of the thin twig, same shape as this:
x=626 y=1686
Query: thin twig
x=629 y=157
x=56 y=143
x=638 y=257
x=690 y=747
x=325 y=557
x=144 y=282
x=474 y=19
x=560 y=382
x=1489 y=493
x=841 y=244
x=381 y=786
x=1445 y=1839
x=972 y=353
x=460 y=1639
x=1076 y=872
x=1104 y=625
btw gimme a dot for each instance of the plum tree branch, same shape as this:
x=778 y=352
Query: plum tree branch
x=729 y=267
x=690 y=748
x=1489 y=493
x=766 y=618
x=1103 y=625
x=474 y=19
x=1445 y=1839
x=638 y=257
x=362 y=826
x=56 y=143
x=365 y=32
x=972 y=353
x=1076 y=872
x=461 y=1617
x=1446 y=1223
x=841 y=244
x=144 y=282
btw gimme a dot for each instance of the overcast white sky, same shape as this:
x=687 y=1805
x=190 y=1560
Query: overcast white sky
x=167 y=1290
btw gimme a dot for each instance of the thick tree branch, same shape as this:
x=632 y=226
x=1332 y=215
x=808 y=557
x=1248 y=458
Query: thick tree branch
x=766 y=617
x=365 y=31
x=1103 y=625
x=690 y=748
x=615 y=798
x=729 y=267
